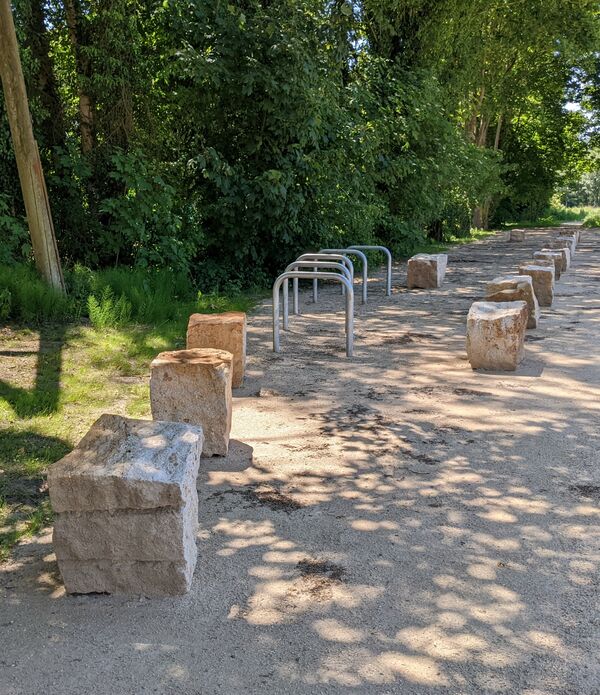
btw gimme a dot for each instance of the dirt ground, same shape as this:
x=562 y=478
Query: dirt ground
x=392 y=523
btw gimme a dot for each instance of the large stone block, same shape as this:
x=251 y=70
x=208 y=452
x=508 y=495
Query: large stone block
x=194 y=386
x=516 y=235
x=567 y=232
x=127 y=508
x=543 y=281
x=514 y=288
x=134 y=535
x=128 y=464
x=551 y=256
x=127 y=577
x=565 y=254
x=496 y=335
x=224 y=332
x=427 y=270
x=564 y=242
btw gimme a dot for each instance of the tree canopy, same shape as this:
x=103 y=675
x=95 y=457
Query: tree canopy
x=220 y=138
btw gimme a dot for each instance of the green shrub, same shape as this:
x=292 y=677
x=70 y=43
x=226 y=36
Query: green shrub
x=592 y=220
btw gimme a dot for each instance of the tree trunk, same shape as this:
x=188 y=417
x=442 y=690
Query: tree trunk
x=82 y=67
x=52 y=126
x=31 y=176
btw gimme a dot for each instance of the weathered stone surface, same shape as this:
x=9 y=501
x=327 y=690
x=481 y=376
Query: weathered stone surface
x=566 y=256
x=567 y=232
x=127 y=577
x=543 y=281
x=145 y=535
x=514 y=288
x=128 y=464
x=225 y=331
x=194 y=386
x=551 y=255
x=496 y=335
x=516 y=235
x=564 y=242
x=427 y=270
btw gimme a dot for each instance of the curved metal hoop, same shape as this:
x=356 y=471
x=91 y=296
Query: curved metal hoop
x=383 y=249
x=348 y=252
x=312 y=275
x=315 y=265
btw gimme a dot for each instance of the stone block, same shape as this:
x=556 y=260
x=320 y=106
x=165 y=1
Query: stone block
x=566 y=256
x=194 y=386
x=564 y=242
x=127 y=464
x=514 y=288
x=550 y=256
x=127 y=508
x=516 y=235
x=165 y=534
x=223 y=332
x=427 y=270
x=496 y=335
x=127 y=577
x=543 y=281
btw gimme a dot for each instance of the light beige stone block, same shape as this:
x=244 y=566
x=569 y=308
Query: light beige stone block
x=496 y=335
x=127 y=508
x=123 y=463
x=516 y=235
x=564 y=242
x=155 y=578
x=427 y=270
x=514 y=288
x=194 y=386
x=566 y=256
x=134 y=535
x=543 y=281
x=551 y=255
x=225 y=331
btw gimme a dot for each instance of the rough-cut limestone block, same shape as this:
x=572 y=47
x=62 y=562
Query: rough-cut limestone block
x=515 y=288
x=224 y=332
x=516 y=235
x=427 y=270
x=567 y=232
x=543 y=281
x=194 y=386
x=562 y=242
x=126 y=502
x=496 y=335
x=127 y=577
x=566 y=257
x=551 y=256
x=128 y=464
x=134 y=535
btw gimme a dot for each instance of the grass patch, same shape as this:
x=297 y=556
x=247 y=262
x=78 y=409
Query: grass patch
x=431 y=246
x=555 y=216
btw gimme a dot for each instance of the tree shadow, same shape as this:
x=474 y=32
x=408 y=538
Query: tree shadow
x=44 y=397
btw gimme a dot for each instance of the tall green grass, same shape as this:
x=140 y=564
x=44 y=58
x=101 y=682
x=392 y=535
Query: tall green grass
x=110 y=298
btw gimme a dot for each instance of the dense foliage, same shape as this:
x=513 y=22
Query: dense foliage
x=217 y=139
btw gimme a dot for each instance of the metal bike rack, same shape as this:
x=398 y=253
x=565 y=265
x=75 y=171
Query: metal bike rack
x=348 y=252
x=314 y=265
x=312 y=275
x=324 y=257
x=383 y=249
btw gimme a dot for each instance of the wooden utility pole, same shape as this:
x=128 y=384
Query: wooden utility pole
x=31 y=176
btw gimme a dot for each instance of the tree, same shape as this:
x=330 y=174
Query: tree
x=33 y=185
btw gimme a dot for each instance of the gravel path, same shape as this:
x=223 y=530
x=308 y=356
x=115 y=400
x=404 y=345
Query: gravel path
x=393 y=523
